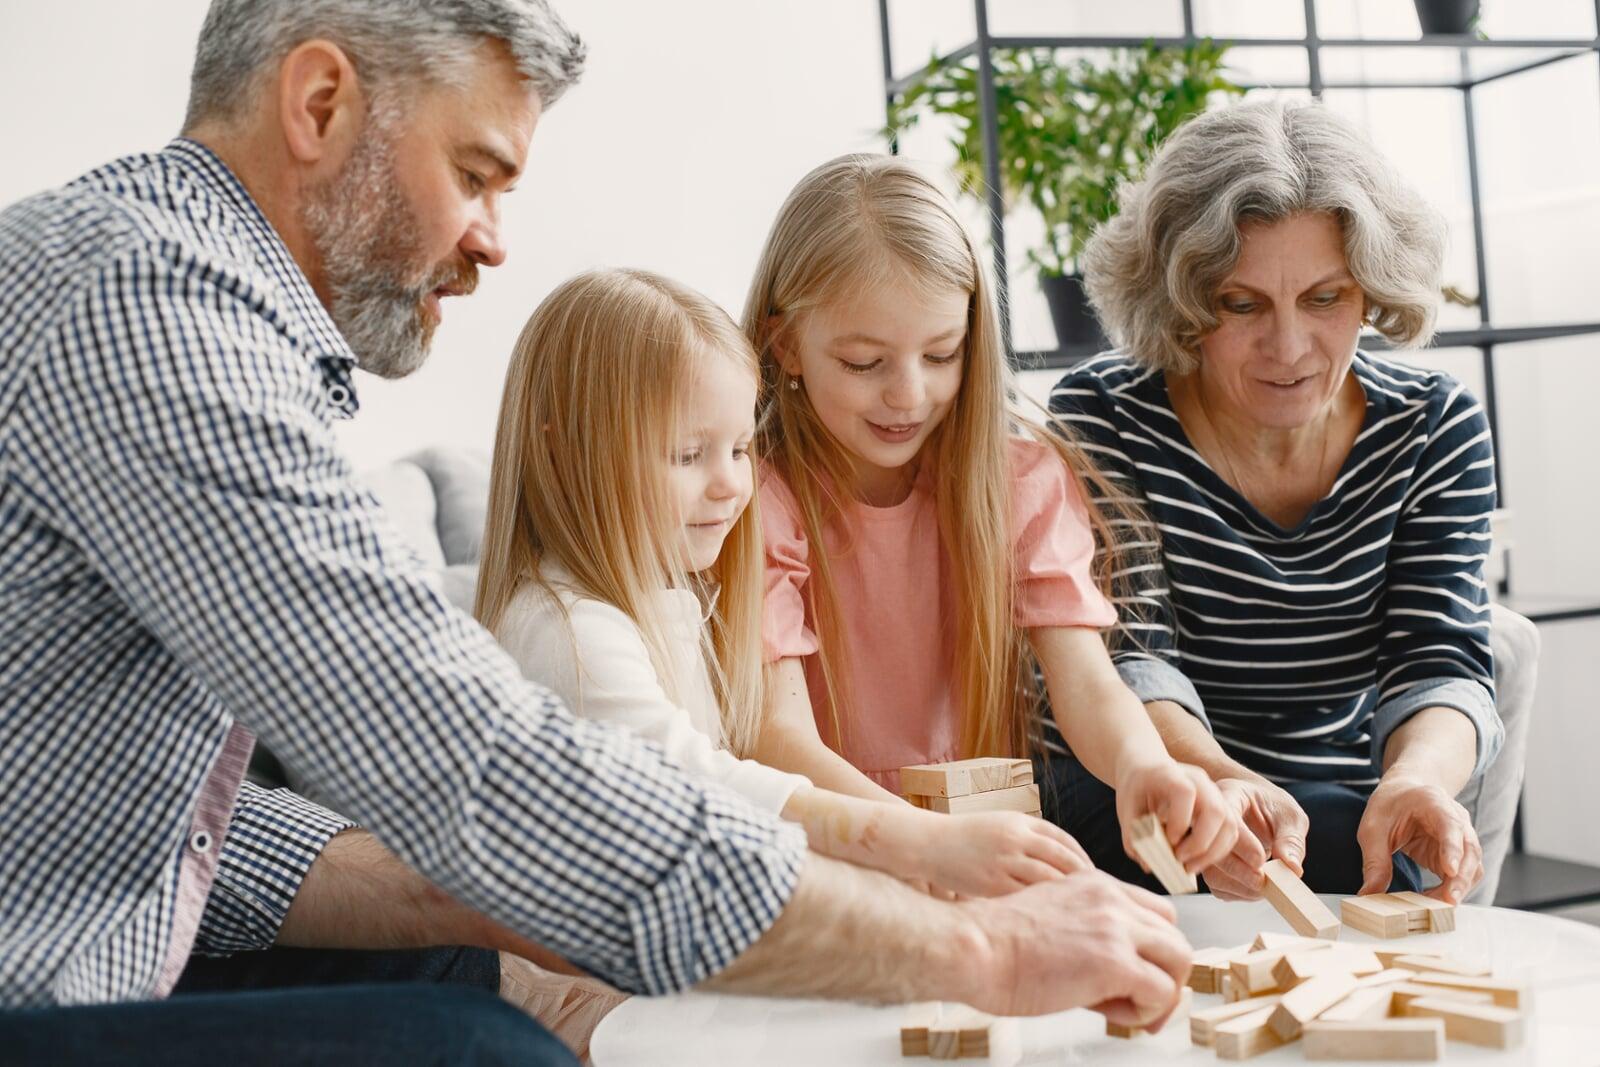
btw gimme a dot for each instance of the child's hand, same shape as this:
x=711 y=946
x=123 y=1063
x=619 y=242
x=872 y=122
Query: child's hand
x=1201 y=826
x=989 y=853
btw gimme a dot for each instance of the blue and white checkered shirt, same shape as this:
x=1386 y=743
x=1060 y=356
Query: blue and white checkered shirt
x=186 y=558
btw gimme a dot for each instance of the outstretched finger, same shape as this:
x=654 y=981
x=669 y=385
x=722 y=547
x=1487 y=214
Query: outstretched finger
x=1146 y=899
x=1053 y=834
x=1058 y=856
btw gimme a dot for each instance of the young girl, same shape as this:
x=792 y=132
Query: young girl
x=622 y=568
x=921 y=536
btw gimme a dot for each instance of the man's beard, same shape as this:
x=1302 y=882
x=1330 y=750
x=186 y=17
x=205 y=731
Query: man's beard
x=370 y=246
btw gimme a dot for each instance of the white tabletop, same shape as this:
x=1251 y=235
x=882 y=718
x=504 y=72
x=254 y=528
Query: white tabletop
x=1557 y=957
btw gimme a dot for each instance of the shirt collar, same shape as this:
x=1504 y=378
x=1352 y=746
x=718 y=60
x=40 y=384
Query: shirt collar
x=329 y=350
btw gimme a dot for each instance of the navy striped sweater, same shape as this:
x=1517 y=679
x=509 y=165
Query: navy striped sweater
x=1303 y=649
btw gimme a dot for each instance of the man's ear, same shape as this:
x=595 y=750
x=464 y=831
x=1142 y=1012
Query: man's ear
x=321 y=106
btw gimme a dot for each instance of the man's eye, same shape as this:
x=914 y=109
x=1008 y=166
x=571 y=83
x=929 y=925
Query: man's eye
x=473 y=181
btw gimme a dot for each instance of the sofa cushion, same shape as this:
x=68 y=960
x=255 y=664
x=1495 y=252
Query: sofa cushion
x=461 y=488
x=407 y=496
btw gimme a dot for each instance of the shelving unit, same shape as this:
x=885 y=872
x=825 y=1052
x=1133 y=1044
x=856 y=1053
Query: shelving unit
x=1480 y=62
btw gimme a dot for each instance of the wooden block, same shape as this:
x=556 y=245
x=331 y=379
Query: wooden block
x=1207 y=967
x=1388 y=977
x=1308 y=1000
x=1476 y=1024
x=1253 y=972
x=1363 y=1004
x=1296 y=967
x=1375 y=915
x=1503 y=993
x=1203 y=1023
x=914 y=1030
x=1441 y=917
x=1023 y=798
x=1403 y=993
x=1440 y=965
x=1285 y=942
x=1386 y=1039
x=957 y=1023
x=1387 y=956
x=1179 y=1013
x=1149 y=840
x=1245 y=1036
x=960 y=778
x=1307 y=915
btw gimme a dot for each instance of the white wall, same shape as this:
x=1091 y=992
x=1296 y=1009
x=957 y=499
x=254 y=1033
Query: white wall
x=696 y=117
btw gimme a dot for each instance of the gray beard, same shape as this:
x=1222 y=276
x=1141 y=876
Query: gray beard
x=371 y=253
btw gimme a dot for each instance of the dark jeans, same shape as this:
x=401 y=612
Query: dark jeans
x=1086 y=808
x=300 y=1006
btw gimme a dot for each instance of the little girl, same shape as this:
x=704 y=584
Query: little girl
x=921 y=535
x=622 y=568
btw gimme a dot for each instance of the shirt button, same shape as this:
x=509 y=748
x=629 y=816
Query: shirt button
x=200 y=841
x=338 y=396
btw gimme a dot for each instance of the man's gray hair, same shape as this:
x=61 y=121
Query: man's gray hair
x=1153 y=271
x=392 y=43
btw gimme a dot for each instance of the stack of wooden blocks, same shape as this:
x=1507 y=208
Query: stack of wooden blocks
x=955 y=1031
x=1346 y=1001
x=1390 y=915
x=961 y=787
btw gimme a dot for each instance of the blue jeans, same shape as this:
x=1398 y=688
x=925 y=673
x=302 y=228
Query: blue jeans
x=300 y=1006
x=1086 y=808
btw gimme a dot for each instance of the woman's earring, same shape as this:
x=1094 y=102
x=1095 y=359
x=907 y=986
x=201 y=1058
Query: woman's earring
x=794 y=385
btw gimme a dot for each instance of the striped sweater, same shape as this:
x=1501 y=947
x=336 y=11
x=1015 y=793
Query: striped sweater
x=1304 y=649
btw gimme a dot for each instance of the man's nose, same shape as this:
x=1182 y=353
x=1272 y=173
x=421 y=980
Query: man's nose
x=482 y=242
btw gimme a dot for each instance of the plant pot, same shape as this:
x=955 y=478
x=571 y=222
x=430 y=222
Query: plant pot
x=1447 y=16
x=1076 y=326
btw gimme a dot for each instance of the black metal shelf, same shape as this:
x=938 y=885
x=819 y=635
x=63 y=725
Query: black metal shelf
x=1529 y=881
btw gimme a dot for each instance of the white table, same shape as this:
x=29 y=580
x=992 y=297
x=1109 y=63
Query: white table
x=1558 y=957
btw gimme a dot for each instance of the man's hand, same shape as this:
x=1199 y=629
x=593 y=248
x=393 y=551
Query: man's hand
x=1275 y=828
x=1422 y=820
x=1086 y=940
x=1200 y=826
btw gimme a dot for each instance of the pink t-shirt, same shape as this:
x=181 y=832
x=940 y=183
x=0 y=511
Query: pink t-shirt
x=895 y=605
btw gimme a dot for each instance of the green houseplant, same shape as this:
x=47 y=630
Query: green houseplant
x=1069 y=134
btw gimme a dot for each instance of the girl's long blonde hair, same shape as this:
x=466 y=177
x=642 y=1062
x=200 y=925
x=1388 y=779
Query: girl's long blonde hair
x=587 y=423
x=853 y=223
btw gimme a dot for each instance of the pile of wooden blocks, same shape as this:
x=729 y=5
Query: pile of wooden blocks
x=1345 y=1002
x=961 y=787
x=955 y=1031
x=1390 y=915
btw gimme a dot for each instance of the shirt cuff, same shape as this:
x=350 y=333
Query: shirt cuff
x=1468 y=697
x=1153 y=679
x=680 y=938
x=271 y=843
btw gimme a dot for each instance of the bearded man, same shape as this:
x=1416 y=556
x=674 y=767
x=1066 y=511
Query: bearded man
x=187 y=561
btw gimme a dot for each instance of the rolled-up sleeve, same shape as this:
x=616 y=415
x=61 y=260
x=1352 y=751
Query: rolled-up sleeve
x=273 y=839
x=179 y=433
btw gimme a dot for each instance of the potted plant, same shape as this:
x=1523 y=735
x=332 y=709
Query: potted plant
x=1069 y=135
x=1447 y=16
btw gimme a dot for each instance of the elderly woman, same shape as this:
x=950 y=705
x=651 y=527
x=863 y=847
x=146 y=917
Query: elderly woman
x=1315 y=632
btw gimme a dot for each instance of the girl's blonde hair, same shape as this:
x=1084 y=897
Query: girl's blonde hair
x=588 y=421
x=866 y=220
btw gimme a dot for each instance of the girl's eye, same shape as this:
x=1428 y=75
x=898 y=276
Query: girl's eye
x=859 y=368
x=741 y=452
x=943 y=358
x=684 y=459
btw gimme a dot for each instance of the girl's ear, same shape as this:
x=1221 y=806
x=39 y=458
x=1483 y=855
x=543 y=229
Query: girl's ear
x=782 y=345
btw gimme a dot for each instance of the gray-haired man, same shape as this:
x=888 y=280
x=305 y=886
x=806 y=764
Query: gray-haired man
x=186 y=562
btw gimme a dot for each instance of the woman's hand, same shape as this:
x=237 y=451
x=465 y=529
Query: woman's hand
x=989 y=853
x=1420 y=819
x=1275 y=827
x=1200 y=825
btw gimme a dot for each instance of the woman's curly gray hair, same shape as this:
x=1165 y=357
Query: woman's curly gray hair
x=1153 y=271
